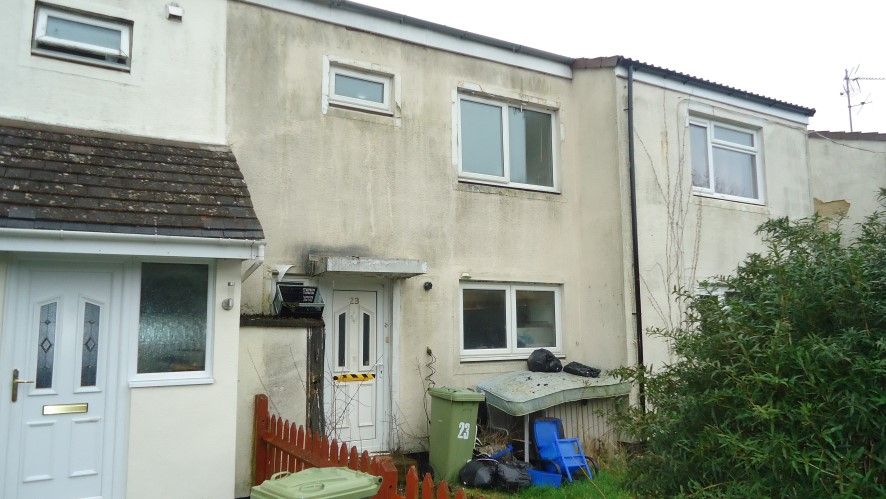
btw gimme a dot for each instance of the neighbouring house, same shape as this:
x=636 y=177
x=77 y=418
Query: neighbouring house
x=454 y=200
x=124 y=220
x=848 y=171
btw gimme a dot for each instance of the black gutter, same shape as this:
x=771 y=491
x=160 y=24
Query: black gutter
x=635 y=249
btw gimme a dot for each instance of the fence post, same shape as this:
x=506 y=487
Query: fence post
x=260 y=470
x=388 y=473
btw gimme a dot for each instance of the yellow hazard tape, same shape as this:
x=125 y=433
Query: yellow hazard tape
x=353 y=377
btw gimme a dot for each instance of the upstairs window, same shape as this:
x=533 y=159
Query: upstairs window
x=81 y=37
x=359 y=89
x=507 y=144
x=725 y=161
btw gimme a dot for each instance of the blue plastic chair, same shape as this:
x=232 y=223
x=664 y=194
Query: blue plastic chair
x=563 y=455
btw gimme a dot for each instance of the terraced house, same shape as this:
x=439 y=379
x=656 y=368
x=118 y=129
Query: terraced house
x=171 y=171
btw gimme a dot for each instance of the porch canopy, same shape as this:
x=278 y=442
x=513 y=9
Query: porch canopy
x=523 y=392
x=80 y=191
x=391 y=268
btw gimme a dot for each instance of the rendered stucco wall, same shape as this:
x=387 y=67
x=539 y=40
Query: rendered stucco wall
x=685 y=238
x=351 y=183
x=273 y=362
x=182 y=438
x=852 y=171
x=175 y=88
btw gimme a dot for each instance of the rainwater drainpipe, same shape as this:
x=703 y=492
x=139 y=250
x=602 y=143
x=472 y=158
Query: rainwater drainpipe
x=638 y=308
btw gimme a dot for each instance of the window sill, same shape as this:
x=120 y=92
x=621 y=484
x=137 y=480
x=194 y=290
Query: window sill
x=86 y=61
x=354 y=106
x=726 y=203
x=164 y=381
x=470 y=185
x=465 y=358
x=508 y=185
x=726 y=197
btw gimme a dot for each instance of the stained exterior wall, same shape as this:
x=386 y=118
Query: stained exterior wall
x=686 y=238
x=847 y=176
x=175 y=88
x=351 y=183
x=272 y=361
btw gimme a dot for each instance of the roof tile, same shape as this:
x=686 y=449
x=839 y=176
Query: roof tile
x=76 y=181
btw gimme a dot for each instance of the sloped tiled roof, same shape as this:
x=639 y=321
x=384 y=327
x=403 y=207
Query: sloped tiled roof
x=80 y=182
x=670 y=74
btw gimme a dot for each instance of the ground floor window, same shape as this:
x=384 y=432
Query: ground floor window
x=173 y=329
x=508 y=320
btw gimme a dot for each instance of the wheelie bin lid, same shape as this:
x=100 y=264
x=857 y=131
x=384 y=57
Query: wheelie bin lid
x=457 y=394
x=332 y=483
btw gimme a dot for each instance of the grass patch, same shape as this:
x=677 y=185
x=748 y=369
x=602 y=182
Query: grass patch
x=606 y=485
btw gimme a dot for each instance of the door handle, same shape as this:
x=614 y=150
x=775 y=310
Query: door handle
x=16 y=382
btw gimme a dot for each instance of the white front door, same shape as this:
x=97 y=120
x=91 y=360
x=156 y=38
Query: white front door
x=64 y=326
x=356 y=358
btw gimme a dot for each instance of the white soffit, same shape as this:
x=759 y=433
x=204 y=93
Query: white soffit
x=381 y=267
x=106 y=243
x=325 y=11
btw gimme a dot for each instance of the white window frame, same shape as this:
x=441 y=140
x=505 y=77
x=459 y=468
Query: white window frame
x=755 y=150
x=43 y=12
x=334 y=99
x=505 y=179
x=511 y=351
x=203 y=377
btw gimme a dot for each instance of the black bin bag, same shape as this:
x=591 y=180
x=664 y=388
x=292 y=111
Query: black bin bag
x=543 y=361
x=478 y=473
x=581 y=370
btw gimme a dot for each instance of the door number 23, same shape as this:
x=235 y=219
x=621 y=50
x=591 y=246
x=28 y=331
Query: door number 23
x=464 y=431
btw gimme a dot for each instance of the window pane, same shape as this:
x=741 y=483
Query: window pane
x=83 y=33
x=531 y=155
x=89 y=360
x=359 y=88
x=342 y=339
x=481 y=139
x=484 y=318
x=735 y=173
x=366 y=344
x=536 y=319
x=743 y=138
x=46 y=344
x=698 y=147
x=172 y=318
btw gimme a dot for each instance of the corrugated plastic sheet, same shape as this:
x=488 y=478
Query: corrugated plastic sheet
x=524 y=392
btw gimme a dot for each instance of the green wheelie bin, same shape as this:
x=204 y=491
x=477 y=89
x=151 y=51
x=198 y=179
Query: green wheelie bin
x=453 y=429
x=315 y=483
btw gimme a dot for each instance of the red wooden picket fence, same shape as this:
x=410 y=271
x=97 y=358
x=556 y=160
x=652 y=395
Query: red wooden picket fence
x=284 y=446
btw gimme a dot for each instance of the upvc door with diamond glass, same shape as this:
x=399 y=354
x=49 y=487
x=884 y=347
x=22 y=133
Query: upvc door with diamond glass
x=356 y=358
x=59 y=415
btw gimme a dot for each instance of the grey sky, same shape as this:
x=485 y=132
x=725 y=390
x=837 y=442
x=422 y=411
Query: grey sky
x=785 y=49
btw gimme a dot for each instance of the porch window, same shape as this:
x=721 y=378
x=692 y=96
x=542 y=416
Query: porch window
x=173 y=318
x=505 y=143
x=502 y=320
x=725 y=161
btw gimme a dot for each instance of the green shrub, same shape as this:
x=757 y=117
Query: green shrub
x=780 y=388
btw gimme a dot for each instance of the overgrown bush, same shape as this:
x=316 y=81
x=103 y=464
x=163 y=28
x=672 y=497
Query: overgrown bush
x=779 y=389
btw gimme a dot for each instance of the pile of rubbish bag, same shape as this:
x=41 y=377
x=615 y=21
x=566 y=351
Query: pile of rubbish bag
x=543 y=361
x=499 y=474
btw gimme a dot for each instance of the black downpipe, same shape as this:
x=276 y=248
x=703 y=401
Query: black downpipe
x=638 y=309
